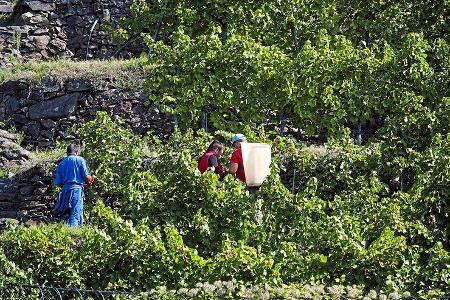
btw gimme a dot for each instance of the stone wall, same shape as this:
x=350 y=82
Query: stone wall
x=11 y=153
x=28 y=196
x=43 y=29
x=45 y=111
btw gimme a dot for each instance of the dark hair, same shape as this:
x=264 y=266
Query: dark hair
x=215 y=145
x=73 y=149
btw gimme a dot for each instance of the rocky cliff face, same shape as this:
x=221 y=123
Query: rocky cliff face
x=43 y=29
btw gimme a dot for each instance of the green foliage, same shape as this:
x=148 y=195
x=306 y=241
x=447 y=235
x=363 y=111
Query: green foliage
x=328 y=84
x=10 y=271
x=286 y=23
x=237 y=290
x=114 y=152
x=214 y=74
x=323 y=64
x=345 y=223
x=374 y=216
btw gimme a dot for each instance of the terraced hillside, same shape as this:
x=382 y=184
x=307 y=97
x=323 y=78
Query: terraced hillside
x=353 y=97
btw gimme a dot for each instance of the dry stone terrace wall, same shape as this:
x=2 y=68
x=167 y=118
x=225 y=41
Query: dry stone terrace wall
x=44 y=112
x=11 y=153
x=43 y=29
x=28 y=196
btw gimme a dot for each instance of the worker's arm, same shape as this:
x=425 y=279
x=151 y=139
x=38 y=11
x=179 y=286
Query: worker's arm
x=233 y=168
x=89 y=180
x=234 y=163
x=213 y=162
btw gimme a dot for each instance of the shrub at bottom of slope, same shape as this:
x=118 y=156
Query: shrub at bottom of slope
x=117 y=255
x=126 y=257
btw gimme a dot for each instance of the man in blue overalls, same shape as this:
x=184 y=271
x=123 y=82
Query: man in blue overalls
x=72 y=174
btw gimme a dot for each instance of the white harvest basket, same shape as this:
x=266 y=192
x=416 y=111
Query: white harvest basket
x=257 y=158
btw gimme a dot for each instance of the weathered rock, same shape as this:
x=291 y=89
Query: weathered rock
x=29 y=198
x=20 y=29
x=33 y=18
x=33 y=56
x=11 y=154
x=49 y=85
x=18 y=119
x=9 y=136
x=39 y=6
x=8 y=196
x=60 y=107
x=5 y=8
x=77 y=86
x=37 y=178
x=32 y=203
x=26 y=190
x=14 y=85
x=107 y=15
x=40 y=41
x=85 y=10
x=40 y=190
x=7 y=144
x=74 y=20
x=48 y=96
x=41 y=31
x=66 y=23
x=11 y=104
x=48 y=124
x=47 y=134
x=33 y=131
x=59 y=44
x=44 y=144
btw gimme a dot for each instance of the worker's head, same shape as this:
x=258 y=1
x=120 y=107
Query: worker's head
x=73 y=149
x=237 y=139
x=217 y=148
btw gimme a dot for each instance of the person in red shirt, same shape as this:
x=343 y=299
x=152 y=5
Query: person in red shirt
x=236 y=162
x=211 y=159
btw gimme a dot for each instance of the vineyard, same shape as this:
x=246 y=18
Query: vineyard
x=355 y=100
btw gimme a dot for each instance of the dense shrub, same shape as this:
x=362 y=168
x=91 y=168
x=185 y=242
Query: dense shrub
x=171 y=226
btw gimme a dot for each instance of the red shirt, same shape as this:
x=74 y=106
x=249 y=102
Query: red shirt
x=203 y=165
x=236 y=158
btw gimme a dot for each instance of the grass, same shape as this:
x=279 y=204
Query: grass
x=4 y=173
x=127 y=74
x=6 y=19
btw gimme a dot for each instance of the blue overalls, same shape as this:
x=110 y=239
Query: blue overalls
x=71 y=173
